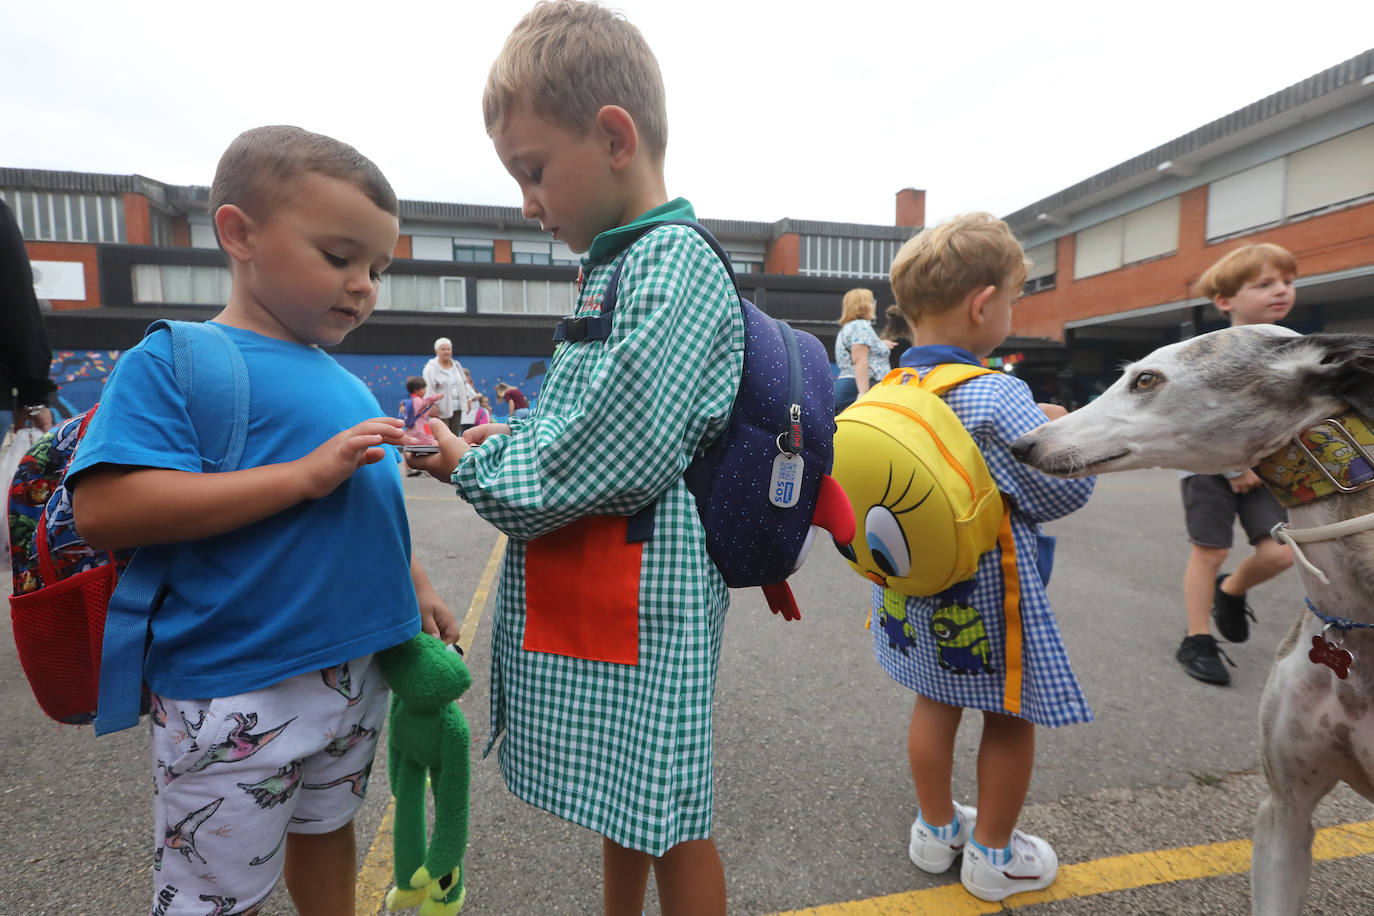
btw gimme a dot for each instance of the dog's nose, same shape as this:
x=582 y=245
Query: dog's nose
x=1021 y=449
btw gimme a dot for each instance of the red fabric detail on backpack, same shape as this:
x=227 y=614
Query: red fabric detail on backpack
x=582 y=591
x=58 y=631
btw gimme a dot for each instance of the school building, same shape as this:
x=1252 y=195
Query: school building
x=112 y=252
x=1118 y=255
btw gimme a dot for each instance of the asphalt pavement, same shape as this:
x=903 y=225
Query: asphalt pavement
x=813 y=794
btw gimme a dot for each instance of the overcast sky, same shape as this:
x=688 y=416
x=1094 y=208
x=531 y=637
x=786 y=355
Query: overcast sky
x=804 y=110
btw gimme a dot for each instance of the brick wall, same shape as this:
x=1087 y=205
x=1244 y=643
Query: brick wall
x=71 y=251
x=783 y=255
x=1333 y=241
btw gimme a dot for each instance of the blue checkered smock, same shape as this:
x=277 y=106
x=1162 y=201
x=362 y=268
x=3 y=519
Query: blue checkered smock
x=622 y=749
x=997 y=409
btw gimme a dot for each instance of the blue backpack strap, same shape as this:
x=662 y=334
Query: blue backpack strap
x=209 y=368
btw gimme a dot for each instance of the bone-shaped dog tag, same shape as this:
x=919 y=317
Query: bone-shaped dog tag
x=1325 y=652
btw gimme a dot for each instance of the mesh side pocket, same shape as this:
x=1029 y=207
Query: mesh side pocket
x=57 y=631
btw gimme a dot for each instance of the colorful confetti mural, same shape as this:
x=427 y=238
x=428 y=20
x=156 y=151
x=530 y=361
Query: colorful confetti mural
x=80 y=375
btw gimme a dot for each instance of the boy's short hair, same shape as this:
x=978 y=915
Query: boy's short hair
x=258 y=169
x=414 y=383
x=939 y=266
x=1235 y=269
x=857 y=303
x=566 y=59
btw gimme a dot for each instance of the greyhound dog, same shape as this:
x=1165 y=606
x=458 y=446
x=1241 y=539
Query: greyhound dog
x=1264 y=396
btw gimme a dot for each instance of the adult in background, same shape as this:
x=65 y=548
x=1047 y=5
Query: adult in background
x=24 y=352
x=861 y=356
x=896 y=334
x=444 y=377
x=469 y=416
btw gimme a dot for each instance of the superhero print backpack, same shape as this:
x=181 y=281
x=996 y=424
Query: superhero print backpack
x=80 y=615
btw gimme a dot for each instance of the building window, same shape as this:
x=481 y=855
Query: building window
x=833 y=256
x=469 y=253
x=54 y=216
x=160 y=226
x=181 y=284
x=542 y=297
x=1329 y=173
x=531 y=252
x=416 y=293
x=1140 y=235
x=1043 y=262
x=203 y=236
x=1246 y=200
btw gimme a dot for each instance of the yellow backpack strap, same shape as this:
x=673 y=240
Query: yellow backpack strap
x=946 y=375
x=1011 y=685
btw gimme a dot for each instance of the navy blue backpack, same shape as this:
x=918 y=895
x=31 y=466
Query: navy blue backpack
x=764 y=482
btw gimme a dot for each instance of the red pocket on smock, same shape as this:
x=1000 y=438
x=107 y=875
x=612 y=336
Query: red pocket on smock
x=582 y=591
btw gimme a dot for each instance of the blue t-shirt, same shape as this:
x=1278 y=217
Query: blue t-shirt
x=314 y=585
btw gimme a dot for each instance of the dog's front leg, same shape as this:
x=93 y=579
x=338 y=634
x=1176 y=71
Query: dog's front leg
x=1293 y=752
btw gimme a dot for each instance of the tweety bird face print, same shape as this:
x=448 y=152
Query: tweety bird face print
x=925 y=505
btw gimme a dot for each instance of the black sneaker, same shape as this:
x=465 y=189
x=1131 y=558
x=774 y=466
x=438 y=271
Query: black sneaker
x=1229 y=612
x=1201 y=658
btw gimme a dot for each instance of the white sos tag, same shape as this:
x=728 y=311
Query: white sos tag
x=785 y=488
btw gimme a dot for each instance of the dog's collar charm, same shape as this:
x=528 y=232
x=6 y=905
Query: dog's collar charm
x=1331 y=654
x=1328 y=458
x=1325 y=652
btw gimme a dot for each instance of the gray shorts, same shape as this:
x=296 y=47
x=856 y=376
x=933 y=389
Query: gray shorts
x=1210 y=510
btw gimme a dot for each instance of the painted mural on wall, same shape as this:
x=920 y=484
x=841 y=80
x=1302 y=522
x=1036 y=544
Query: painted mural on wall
x=80 y=375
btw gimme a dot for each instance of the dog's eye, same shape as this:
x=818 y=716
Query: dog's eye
x=1145 y=381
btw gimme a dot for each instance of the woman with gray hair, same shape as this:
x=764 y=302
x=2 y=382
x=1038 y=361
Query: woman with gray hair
x=444 y=377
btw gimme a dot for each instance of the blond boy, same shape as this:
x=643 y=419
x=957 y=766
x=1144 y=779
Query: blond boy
x=602 y=681
x=261 y=654
x=1251 y=285
x=956 y=284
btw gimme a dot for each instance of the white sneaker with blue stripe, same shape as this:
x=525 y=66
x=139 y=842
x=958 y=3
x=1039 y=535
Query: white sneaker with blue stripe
x=1033 y=865
x=935 y=849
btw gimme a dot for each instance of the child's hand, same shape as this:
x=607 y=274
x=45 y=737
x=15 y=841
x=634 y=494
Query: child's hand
x=478 y=434
x=1245 y=482
x=1053 y=411
x=335 y=461
x=435 y=617
x=451 y=449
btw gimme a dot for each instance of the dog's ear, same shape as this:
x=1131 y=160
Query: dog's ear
x=1344 y=368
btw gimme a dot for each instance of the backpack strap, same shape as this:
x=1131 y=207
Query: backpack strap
x=209 y=368
x=946 y=375
x=598 y=327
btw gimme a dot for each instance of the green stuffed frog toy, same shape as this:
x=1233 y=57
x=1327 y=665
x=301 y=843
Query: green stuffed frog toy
x=428 y=737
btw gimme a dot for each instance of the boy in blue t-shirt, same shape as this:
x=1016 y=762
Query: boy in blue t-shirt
x=287 y=574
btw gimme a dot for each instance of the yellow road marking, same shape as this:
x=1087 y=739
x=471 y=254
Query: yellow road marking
x=375 y=878
x=479 y=597
x=1104 y=876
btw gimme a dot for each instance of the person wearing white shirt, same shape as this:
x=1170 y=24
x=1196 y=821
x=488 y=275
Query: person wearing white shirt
x=446 y=377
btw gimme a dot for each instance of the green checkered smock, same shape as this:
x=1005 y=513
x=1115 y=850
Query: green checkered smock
x=622 y=749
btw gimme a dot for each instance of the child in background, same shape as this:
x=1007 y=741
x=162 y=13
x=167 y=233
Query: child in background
x=267 y=699
x=602 y=680
x=413 y=411
x=956 y=284
x=1251 y=285
x=517 y=405
x=483 y=414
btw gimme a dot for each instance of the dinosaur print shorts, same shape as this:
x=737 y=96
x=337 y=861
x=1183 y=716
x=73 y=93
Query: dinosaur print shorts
x=233 y=775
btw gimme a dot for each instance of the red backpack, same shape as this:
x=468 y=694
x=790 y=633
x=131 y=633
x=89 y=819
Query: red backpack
x=80 y=615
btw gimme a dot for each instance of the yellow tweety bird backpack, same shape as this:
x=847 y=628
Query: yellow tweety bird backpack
x=925 y=505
